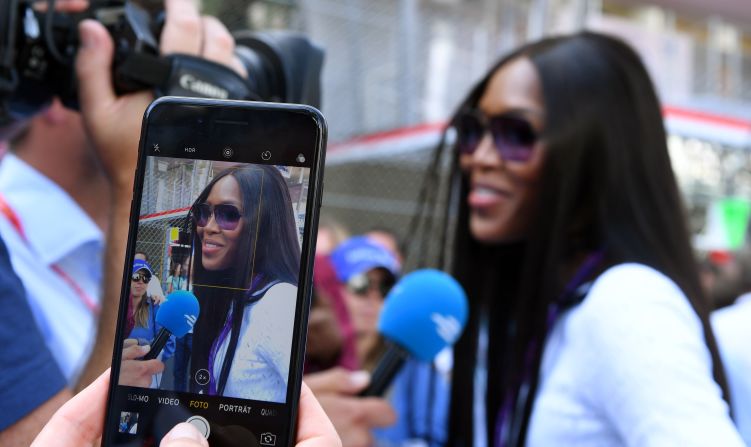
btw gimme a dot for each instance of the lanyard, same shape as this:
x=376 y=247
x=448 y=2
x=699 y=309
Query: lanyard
x=513 y=404
x=15 y=222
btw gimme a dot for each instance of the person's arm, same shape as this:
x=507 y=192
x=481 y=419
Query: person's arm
x=113 y=123
x=648 y=370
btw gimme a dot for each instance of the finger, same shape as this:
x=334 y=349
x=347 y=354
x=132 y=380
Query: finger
x=218 y=44
x=314 y=427
x=129 y=342
x=376 y=412
x=338 y=380
x=134 y=351
x=184 y=435
x=94 y=67
x=182 y=31
x=79 y=421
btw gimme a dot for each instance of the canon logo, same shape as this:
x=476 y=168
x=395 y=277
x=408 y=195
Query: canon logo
x=189 y=82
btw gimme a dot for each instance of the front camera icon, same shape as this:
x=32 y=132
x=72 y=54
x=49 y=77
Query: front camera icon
x=300 y=158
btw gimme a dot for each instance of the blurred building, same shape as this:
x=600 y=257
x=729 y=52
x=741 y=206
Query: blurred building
x=396 y=69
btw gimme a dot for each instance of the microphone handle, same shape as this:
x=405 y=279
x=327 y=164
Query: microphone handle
x=389 y=364
x=158 y=344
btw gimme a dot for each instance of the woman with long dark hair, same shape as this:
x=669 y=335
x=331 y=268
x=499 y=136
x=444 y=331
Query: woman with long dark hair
x=247 y=261
x=587 y=323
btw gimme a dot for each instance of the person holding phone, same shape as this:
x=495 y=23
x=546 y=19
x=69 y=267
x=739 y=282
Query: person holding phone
x=587 y=321
x=32 y=394
x=247 y=261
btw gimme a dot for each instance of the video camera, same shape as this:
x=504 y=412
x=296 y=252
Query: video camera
x=37 y=53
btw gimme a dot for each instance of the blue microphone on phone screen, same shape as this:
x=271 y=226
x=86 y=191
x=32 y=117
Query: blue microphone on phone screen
x=176 y=315
x=424 y=313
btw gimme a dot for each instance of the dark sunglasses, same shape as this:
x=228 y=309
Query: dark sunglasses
x=226 y=216
x=140 y=277
x=514 y=137
x=361 y=284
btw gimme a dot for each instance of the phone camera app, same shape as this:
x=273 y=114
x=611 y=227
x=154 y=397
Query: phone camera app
x=268 y=439
x=227 y=152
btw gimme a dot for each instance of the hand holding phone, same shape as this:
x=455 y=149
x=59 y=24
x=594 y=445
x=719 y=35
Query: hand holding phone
x=79 y=423
x=230 y=190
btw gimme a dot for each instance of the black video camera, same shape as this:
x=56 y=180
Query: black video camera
x=37 y=53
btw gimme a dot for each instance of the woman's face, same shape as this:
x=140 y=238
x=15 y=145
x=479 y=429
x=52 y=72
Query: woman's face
x=138 y=288
x=218 y=245
x=502 y=193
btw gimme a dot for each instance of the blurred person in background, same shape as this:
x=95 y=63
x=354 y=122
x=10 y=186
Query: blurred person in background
x=33 y=385
x=331 y=340
x=366 y=271
x=55 y=210
x=419 y=393
x=155 y=286
x=732 y=324
x=588 y=325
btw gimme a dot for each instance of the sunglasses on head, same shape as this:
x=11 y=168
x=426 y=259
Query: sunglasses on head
x=227 y=216
x=361 y=284
x=514 y=137
x=144 y=278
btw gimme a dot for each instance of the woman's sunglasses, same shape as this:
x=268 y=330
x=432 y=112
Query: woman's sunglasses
x=226 y=216
x=513 y=137
x=136 y=277
x=361 y=284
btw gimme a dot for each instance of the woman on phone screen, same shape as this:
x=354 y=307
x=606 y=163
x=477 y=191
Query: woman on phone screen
x=247 y=259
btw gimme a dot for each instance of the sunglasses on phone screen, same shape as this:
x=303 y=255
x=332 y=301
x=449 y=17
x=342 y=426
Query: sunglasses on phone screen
x=513 y=137
x=227 y=216
x=136 y=277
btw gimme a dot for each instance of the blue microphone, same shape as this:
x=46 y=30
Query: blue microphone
x=424 y=313
x=177 y=315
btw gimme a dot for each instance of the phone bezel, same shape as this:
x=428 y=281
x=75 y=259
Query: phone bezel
x=315 y=190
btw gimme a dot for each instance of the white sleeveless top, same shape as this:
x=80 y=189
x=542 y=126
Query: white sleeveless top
x=260 y=369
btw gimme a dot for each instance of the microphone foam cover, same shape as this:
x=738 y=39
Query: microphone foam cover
x=425 y=312
x=178 y=313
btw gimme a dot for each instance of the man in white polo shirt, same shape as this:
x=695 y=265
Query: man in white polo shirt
x=53 y=212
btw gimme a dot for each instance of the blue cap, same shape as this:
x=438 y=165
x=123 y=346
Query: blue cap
x=178 y=313
x=425 y=312
x=359 y=254
x=140 y=264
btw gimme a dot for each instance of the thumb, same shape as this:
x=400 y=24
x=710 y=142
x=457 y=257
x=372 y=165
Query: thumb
x=183 y=435
x=94 y=67
x=338 y=380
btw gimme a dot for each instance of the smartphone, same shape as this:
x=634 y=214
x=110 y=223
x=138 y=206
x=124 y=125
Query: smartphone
x=223 y=223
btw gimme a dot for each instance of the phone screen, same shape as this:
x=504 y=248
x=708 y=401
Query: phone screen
x=225 y=204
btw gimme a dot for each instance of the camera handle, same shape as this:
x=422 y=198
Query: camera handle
x=180 y=75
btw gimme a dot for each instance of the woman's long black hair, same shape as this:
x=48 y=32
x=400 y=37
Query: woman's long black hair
x=269 y=247
x=606 y=184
